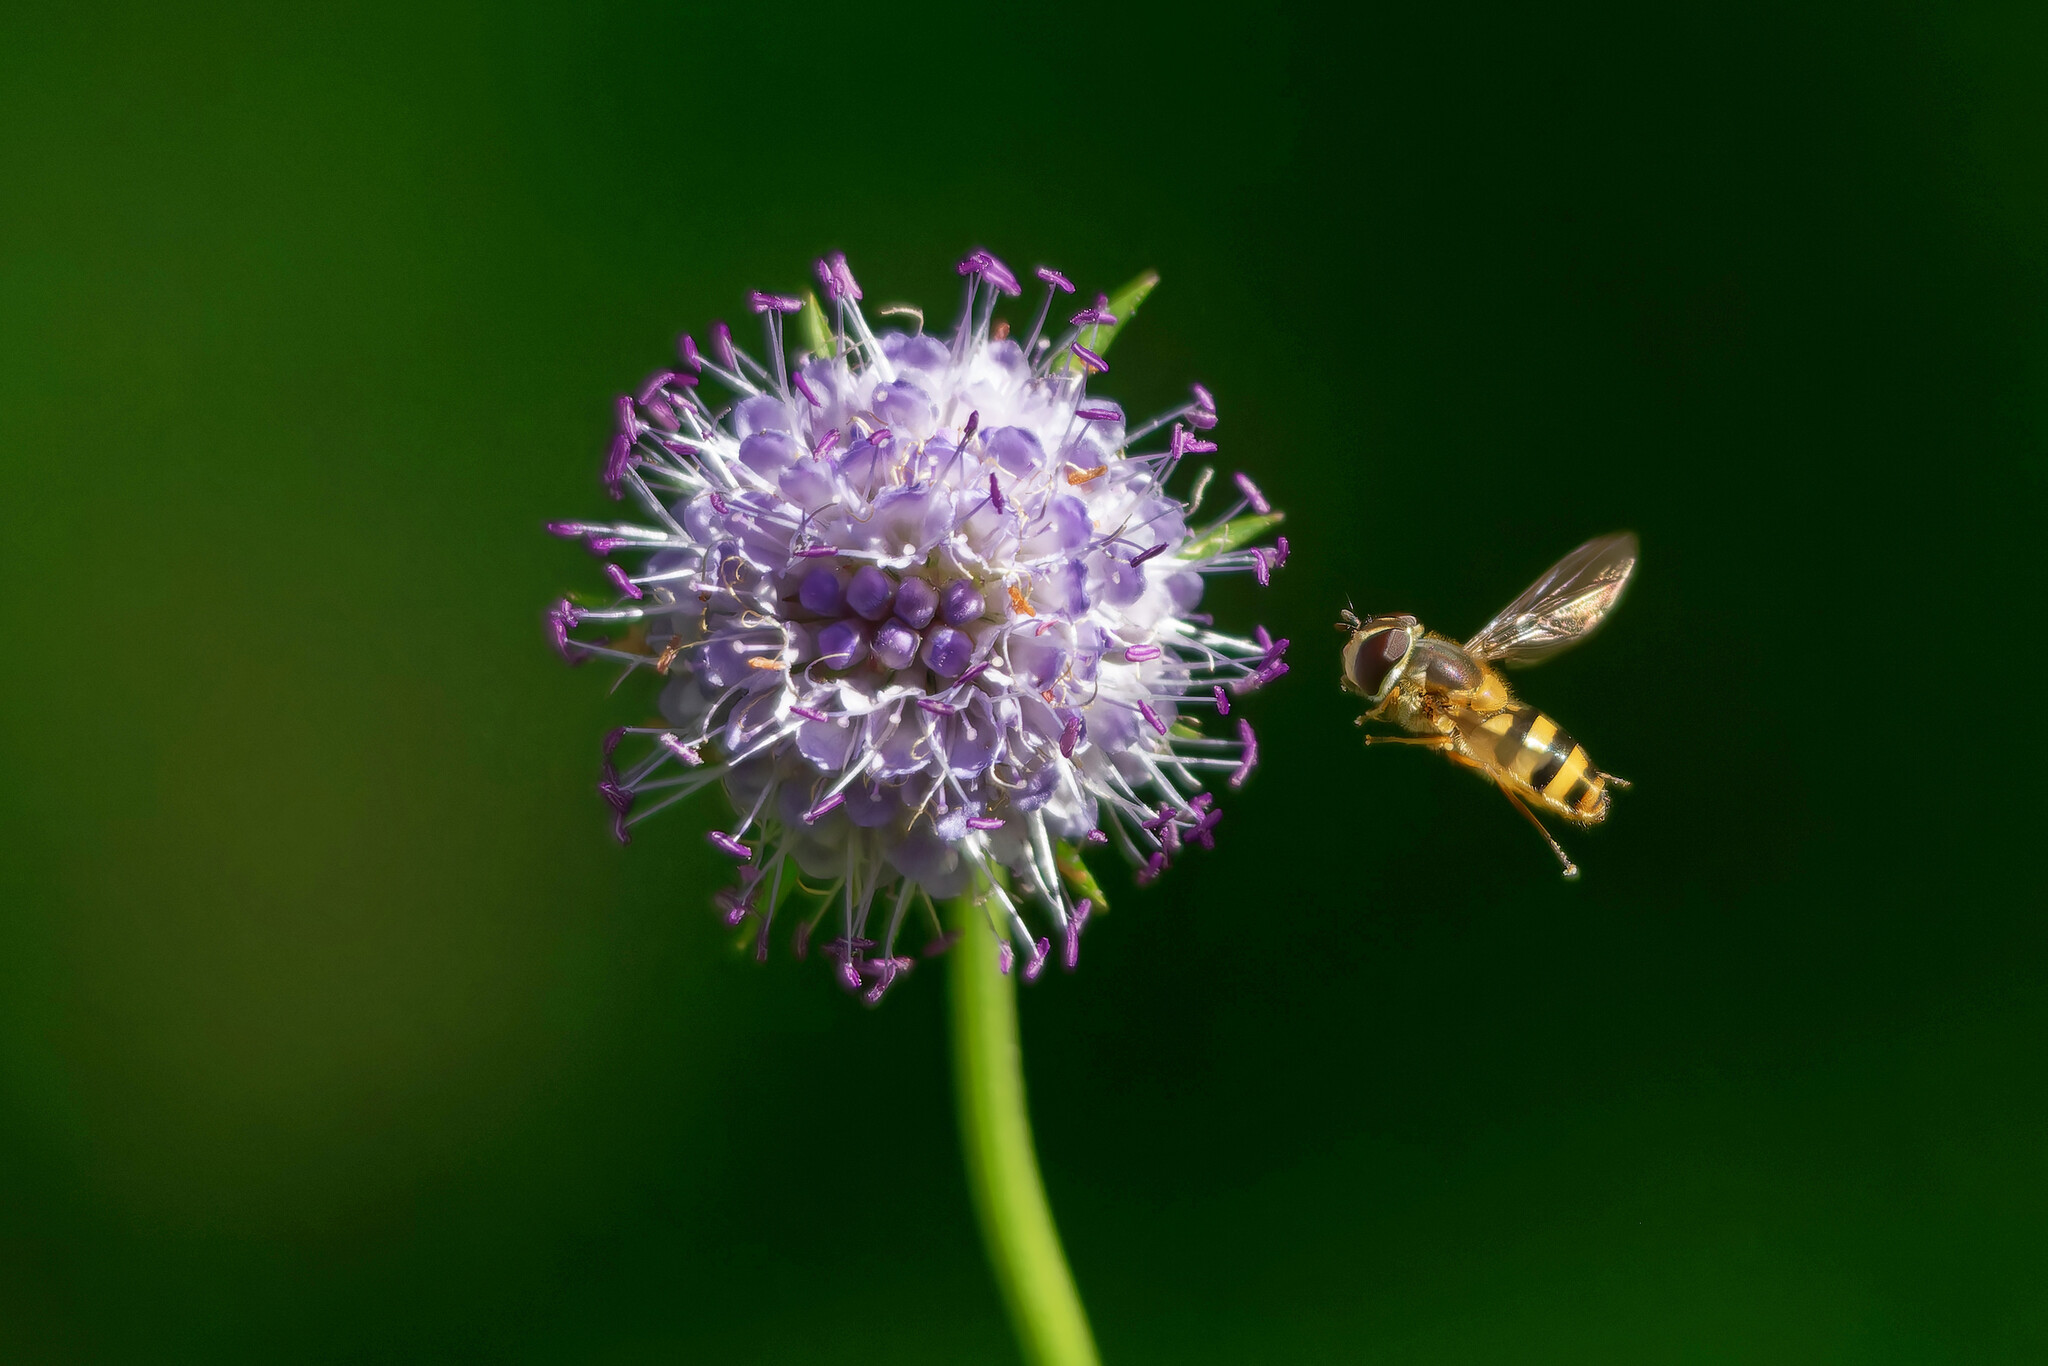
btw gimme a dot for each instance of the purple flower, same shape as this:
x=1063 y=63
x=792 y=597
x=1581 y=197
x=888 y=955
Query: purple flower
x=917 y=659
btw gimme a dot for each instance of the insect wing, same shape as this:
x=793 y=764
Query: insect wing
x=1563 y=606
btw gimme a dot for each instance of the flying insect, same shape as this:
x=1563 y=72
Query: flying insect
x=1453 y=698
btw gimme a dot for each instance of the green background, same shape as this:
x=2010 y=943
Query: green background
x=333 y=1026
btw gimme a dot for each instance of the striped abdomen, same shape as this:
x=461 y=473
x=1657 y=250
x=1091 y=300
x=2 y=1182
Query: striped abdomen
x=1533 y=753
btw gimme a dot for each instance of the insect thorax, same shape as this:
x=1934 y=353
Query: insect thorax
x=1439 y=676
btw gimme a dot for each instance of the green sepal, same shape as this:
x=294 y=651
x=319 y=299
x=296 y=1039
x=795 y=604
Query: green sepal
x=1124 y=304
x=1185 y=729
x=1232 y=534
x=817 y=335
x=1067 y=859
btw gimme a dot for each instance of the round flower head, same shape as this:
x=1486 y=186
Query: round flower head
x=925 y=614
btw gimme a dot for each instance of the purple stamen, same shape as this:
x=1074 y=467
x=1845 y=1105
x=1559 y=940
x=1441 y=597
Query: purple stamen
x=1139 y=654
x=1205 y=399
x=849 y=288
x=653 y=385
x=691 y=356
x=1145 y=555
x=1222 y=701
x=984 y=823
x=1005 y=957
x=808 y=714
x=567 y=529
x=827 y=443
x=1098 y=316
x=622 y=583
x=936 y=707
x=803 y=387
x=620 y=801
x=996 y=496
x=1151 y=717
x=1070 y=735
x=720 y=840
x=1037 y=963
x=562 y=619
x=1252 y=494
x=617 y=460
x=1096 y=837
x=1089 y=358
x=673 y=743
x=1280 y=553
x=1261 y=570
x=1055 y=279
x=973 y=425
x=779 y=303
x=938 y=946
x=1251 y=752
x=1075 y=923
x=816 y=552
x=721 y=346
x=1159 y=824
x=991 y=270
x=1097 y=414
x=830 y=804
x=1154 y=866
x=718 y=503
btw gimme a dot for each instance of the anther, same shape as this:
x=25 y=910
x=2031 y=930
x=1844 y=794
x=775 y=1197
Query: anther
x=720 y=840
x=622 y=583
x=1251 y=752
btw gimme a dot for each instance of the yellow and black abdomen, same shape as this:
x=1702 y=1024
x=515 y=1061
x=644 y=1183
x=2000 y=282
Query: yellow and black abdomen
x=1535 y=756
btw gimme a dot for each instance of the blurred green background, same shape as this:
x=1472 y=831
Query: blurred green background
x=334 y=1027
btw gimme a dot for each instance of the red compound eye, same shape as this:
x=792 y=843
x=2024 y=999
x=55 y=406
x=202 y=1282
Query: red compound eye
x=1377 y=655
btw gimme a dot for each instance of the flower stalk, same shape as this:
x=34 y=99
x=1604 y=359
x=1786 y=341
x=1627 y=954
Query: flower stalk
x=1002 y=1167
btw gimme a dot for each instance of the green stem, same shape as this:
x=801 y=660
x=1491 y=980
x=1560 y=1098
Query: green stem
x=1002 y=1168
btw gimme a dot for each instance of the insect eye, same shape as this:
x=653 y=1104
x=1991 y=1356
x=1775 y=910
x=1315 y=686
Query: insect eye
x=1377 y=655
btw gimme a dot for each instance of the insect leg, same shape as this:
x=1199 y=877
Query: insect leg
x=1570 y=869
x=1433 y=741
x=1616 y=782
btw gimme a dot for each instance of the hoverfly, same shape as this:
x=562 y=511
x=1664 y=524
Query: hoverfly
x=1455 y=700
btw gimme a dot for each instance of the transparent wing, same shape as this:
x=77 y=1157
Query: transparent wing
x=1563 y=606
